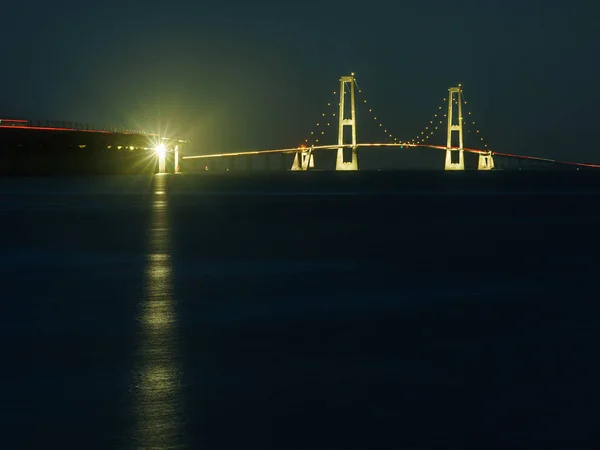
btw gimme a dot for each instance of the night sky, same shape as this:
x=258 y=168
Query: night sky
x=236 y=75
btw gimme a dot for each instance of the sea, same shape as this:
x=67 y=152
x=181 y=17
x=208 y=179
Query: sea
x=310 y=310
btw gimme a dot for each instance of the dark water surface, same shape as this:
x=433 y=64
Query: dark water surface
x=311 y=311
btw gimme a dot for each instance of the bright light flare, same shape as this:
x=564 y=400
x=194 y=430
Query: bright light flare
x=160 y=150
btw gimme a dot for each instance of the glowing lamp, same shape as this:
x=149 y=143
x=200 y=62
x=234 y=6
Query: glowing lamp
x=160 y=150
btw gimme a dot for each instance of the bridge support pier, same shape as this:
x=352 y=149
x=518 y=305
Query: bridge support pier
x=176 y=159
x=455 y=165
x=450 y=150
x=341 y=163
x=162 y=164
x=303 y=160
x=161 y=154
x=486 y=162
x=308 y=159
x=296 y=164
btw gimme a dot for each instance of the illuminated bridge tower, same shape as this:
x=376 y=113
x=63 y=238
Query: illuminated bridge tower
x=168 y=153
x=341 y=164
x=176 y=162
x=451 y=164
x=296 y=164
x=161 y=153
x=303 y=160
x=486 y=161
x=308 y=159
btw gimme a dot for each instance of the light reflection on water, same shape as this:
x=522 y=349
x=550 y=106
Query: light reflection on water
x=158 y=404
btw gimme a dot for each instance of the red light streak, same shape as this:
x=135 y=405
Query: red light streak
x=28 y=127
x=22 y=127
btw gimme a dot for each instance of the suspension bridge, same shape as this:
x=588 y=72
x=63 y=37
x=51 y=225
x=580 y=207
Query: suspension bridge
x=450 y=113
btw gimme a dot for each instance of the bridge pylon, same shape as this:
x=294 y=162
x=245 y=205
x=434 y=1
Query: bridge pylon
x=303 y=160
x=296 y=164
x=308 y=159
x=486 y=161
x=341 y=164
x=176 y=162
x=161 y=154
x=452 y=127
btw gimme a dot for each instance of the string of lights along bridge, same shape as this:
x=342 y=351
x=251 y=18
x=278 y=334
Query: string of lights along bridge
x=449 y=112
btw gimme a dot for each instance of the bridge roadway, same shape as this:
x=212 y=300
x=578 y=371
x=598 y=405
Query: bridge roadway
x=13 y=124
x=437 y=147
